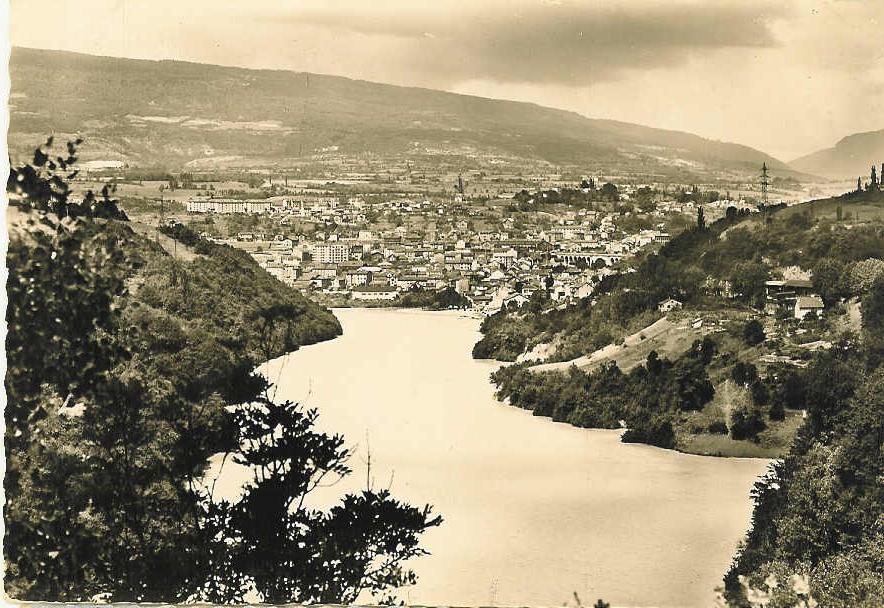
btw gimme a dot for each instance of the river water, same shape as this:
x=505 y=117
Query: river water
x=534 y=510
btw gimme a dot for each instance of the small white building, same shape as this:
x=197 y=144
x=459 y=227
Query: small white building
x=374 y=293
x=668 y=305
x=806 y=305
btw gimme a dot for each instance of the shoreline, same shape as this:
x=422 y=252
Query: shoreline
x=681 y=449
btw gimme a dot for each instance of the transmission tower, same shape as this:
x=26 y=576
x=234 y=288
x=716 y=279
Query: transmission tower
x=765 y=182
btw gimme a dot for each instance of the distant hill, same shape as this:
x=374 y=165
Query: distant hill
x=851 y=157
x=171 y=113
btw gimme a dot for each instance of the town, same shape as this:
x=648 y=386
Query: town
x=491 y=252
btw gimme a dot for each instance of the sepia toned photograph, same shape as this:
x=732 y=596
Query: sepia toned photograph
x=501 y=303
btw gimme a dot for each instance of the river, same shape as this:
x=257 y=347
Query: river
x=534 y=510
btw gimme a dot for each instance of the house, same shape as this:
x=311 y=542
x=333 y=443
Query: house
x=325 y=271
x=808 y=305
x=515 y=300
x=787 y=291
x=374 y=292
x=668 y=305
x=355 y=278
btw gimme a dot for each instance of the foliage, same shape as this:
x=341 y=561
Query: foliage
x=746 y=420
x=748 y=278
x=43 y=185
x=443 y=299
x=831 y=280
x=753 y=332
x=873 y=320
x=864 y=273
x=123 y=367
x=817 y=512
x=648 y=399
x=656 y=430
x=293 y=553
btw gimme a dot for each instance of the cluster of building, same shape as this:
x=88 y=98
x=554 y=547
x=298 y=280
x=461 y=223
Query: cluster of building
x=795 y=297
x=491 y=265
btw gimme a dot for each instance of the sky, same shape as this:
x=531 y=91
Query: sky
x=787 y=76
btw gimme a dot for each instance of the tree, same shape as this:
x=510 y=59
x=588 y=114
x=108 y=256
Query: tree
x=744 y=374
x=609 y=192
x=294 y=553
x=746 y=419
x=653 y=363
x=117 y=399
x=864 y=273
x=43 y=185
x=704 y=349
x=787 y=391
x=760 y=394
x=656 y=430
x=753 y=332
x=701 y=219
x=830 y=280
x=748 y=279
x=873 y=319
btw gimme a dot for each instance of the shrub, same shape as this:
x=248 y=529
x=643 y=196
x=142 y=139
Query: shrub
x=656 y=431
x=753 y=333
x=777 y=411
x=747 y=421
x=717 y=427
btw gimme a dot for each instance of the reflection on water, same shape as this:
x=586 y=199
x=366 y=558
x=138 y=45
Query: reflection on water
x=534 y=510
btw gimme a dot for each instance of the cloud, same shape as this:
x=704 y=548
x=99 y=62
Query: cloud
x=545 y=42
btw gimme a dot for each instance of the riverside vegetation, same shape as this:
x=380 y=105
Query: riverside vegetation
x=816 y=531
x=126 y=369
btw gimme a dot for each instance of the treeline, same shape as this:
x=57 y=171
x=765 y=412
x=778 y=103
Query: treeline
x=126 y=371
x=817 y=535
x=646 y=400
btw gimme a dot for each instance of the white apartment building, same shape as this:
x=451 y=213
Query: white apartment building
x=331 y=253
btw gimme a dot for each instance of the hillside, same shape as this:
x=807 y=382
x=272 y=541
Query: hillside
x=663 y=336
x=614 y=360
x=850 y=158
x=173 y=113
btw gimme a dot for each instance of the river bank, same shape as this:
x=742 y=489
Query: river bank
x=534 y=510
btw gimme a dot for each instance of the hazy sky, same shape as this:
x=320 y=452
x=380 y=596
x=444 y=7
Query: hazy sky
x=788 y=76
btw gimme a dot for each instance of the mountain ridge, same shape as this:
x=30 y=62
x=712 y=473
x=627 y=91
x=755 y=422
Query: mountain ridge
x=851 y=156
x=201 y=111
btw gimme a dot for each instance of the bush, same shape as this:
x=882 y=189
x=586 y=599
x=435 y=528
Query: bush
x=747 y=421
x=717 y=427
x=744 y=373
x=760 y=394
x=753 y=333
x=777 y=411
x=656 y=430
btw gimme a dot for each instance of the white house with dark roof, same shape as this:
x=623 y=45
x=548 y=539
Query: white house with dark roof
x=806 y=305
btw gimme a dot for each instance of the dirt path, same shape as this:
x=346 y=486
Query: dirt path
x=664 y=336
